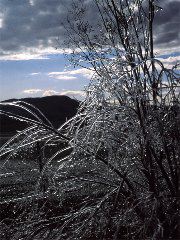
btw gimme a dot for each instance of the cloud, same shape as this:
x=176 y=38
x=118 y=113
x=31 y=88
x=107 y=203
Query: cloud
x=78 y=94
x=32 y=91
x=164 y=49
x=62 y=77
x=71 y=74
x=34 y=73
x=21 y=56
x=31 y=2
x=50 y=93
x=167 y=25
x=169 y=62
x=32 y=25
x=1 y=22
x=82 y=71
x=74 y=94
x=29 y=54
x=32 y=29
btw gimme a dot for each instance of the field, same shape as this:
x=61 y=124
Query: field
x=23 y=194
x=17 y=176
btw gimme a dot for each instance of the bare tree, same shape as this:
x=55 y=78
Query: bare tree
x=127 y=127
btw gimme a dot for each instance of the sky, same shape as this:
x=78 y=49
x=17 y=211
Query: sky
x=32 y=34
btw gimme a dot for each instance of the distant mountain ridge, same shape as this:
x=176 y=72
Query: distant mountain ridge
x=55 y=108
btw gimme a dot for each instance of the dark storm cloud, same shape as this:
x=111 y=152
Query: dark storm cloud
x=167 y=23
x=31 y=23
x=38 y=23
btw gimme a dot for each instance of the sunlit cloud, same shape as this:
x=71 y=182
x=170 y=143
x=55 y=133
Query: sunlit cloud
x=50 y=93
x=63 y=77
x=31 y=2
x=22 y=57
x=82 y=71
x=1 y=22
x=31 y=54
x=165 y=50
x=171 y=61
x=77 y=94
x=71 y=74
x=35 y=73
x=74 y=94
x=32 y=91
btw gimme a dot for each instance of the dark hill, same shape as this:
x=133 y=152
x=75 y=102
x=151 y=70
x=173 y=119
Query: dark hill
x=56 y=108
